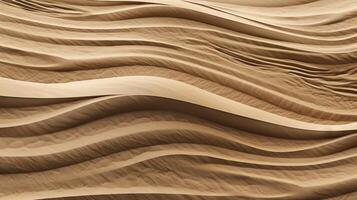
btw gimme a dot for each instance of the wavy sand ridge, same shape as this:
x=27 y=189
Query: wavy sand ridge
x=178 y=99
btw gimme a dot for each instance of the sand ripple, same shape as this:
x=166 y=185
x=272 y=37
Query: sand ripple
x=178 y=99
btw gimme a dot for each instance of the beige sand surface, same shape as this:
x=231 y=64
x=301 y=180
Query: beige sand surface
x=178 y=99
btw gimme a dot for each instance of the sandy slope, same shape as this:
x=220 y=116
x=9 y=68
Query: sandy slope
x=178 y=99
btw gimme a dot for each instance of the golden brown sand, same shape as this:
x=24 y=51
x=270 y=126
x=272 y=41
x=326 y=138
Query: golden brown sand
x=178 y=99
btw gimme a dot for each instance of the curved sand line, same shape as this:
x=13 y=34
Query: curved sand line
x=159 y=87
x=178 y=99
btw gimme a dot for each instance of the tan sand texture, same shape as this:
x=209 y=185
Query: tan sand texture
x=178 y=99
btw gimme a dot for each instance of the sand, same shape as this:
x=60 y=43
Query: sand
x=178 y=99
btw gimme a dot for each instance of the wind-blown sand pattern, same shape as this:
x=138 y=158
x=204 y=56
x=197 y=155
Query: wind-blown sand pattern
x=178 y=99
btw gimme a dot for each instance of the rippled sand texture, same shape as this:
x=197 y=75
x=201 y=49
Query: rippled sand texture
x=178 y=99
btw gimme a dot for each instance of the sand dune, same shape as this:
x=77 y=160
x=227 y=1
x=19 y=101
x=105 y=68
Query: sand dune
x=178 y=99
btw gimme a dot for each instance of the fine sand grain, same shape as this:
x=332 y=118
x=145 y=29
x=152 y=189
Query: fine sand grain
x=178 y=99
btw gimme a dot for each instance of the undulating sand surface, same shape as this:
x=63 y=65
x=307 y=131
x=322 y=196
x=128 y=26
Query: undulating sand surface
x=178 y=99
